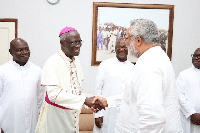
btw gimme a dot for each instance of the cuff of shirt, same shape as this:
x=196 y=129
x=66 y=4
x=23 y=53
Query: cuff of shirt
x=98 y=114
x=189 y=114
x=114 y=101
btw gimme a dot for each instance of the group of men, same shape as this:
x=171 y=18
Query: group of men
x=136 y=98
x=107 y=37
x=22 y=89
x=150 y=101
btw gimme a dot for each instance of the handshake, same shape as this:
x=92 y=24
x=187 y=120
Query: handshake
x=96 y=103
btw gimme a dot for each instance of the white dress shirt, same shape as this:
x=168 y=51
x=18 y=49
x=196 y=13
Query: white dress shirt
x=150 y=102
x=188 y=83
x=110 y=81
x=20 y=97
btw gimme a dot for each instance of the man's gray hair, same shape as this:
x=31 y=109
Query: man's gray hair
x=146 y=29
x=62 y=37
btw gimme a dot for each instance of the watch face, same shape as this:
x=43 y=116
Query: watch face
x=53 y=1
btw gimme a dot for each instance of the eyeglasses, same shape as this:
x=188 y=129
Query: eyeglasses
x=124 y=48
x=195 y=55
x=75 y=43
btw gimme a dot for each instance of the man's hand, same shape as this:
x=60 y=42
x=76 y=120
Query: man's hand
x=102 y=100
x=99 y=122
x=96 y=106
x=88 y=101
x=195 y=118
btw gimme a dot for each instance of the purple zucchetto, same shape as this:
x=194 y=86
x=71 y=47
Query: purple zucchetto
x=66 y=29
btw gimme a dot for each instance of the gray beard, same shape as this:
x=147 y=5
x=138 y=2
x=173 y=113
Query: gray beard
x=133 y=50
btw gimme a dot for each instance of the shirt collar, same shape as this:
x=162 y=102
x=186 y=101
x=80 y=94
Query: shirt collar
x=197 y=70
x=122 y=62
x=65 y=57
x=16 y=64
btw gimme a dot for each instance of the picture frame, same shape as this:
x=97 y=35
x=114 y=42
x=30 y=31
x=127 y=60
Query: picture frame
x=117 y=17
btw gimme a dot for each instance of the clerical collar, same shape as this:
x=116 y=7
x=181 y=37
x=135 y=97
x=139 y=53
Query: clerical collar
x=62 y=54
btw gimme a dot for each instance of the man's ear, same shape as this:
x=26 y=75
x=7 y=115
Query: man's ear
x=61 y=43
x=10 y=51
x=138 y=41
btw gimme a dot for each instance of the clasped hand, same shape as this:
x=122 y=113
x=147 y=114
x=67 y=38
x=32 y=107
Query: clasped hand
x=94 y=104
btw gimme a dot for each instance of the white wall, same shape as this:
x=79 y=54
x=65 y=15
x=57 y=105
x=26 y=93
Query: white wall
x=39 y=23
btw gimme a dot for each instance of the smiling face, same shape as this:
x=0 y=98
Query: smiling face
x=19 y=49
x=121 y=50
x=196 y=60
x=70 y=45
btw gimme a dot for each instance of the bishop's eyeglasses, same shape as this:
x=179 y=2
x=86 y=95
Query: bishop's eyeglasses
x=75 y=43
x=195 y=55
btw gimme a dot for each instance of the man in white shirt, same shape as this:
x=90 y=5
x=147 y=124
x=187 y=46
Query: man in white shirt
x=112 y=42
x=110 y=80
x=188 y=83
x=62 y=76
x=150 y=101
x=20 y=91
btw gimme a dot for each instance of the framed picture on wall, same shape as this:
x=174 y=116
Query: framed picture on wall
x=111 y=20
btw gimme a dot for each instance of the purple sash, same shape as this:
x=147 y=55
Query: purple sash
x=54 y=104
